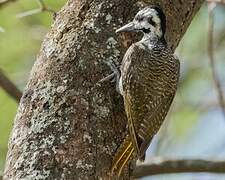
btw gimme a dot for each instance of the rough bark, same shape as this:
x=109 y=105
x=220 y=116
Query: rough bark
x=68 y=126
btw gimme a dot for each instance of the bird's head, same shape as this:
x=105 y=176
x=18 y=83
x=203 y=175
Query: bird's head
x=150 y=20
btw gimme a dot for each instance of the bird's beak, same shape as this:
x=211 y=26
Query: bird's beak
x=126 y=28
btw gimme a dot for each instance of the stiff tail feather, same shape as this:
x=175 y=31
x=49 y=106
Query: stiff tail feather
x=122 y=157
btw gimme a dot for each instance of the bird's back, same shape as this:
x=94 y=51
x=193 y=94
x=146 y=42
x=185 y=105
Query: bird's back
x=149 y=79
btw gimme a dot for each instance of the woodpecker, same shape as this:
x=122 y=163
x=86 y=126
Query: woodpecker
x=147 y=80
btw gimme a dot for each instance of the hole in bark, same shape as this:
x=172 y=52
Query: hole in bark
x=46 y=106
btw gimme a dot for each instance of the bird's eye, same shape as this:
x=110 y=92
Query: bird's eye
x=150 y=21
x=140 y=19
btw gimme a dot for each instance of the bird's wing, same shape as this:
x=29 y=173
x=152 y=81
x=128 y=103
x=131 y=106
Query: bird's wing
x=149 y=87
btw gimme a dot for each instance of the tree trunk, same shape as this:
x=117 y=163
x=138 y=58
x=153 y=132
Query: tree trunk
x=69 y=126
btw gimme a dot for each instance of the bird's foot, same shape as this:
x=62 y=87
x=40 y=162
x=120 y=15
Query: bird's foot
x=114 y=76
x=110 y=77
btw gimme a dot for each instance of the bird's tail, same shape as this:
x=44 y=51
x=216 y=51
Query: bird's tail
x=122 y=157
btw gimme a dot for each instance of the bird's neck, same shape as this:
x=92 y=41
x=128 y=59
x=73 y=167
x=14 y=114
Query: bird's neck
x=151 y=39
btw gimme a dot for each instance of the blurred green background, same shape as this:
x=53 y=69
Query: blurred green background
x=195 y=126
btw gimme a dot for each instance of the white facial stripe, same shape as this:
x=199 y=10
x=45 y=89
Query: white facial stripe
x=143 y=11
x=156 y=20
x=154 y=14
x=157 y=31
x=145 y=24
x=150 y=12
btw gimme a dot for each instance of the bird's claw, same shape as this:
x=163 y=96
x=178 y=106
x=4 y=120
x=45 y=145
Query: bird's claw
x=112 y=77
x=113 y=67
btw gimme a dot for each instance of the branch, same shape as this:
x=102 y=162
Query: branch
x=9 y=87
x=42 y=8
x=216 y=1
x=211 y=58
x=160 y=166
x=4 y=2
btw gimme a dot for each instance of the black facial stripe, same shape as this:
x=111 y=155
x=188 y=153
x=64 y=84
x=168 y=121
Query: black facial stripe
x=150 y=21
x=139 y=18
x=145 y=30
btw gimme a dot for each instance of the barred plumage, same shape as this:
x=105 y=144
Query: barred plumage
x=148 y=83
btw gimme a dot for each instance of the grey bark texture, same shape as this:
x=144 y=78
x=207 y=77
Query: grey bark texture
x=68 y=126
